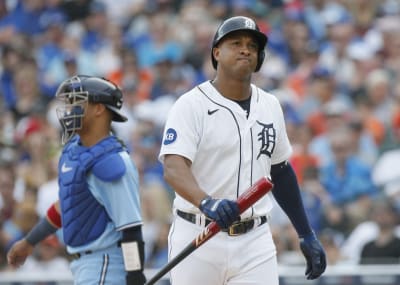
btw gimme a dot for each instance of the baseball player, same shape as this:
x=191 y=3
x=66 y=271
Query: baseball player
x=221 y=137
x=98 y=207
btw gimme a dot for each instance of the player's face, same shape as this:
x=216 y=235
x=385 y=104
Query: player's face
x=237 y=51
x=90 y=120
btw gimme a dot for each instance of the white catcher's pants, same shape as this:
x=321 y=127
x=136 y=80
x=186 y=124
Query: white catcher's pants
x=247 y=259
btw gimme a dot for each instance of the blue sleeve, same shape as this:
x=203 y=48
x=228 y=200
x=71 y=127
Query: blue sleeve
x=120 y=197
x=287 y=193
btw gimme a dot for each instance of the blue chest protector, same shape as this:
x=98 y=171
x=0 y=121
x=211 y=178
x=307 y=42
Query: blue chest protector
x=83 y=217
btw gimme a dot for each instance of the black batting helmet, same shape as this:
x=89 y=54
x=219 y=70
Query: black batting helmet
x=240 y=23
x=76 y=91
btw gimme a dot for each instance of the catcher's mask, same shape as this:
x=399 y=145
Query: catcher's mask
x=240 y=23
x=76 y=92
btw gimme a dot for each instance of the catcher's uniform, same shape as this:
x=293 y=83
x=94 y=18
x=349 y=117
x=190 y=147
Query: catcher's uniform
x=229 y=150
x=99 y=198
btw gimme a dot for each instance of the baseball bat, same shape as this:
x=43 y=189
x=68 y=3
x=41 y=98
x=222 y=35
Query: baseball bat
x=245 y=201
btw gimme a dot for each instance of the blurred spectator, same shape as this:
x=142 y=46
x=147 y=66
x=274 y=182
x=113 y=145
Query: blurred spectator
x=386 y=175
x=371 y=123
x=314 y=17
x=11 y=58
x=198 y=30
x=336 y=218
x=305 y=72
x=302 y=160
x=322 y=90
x=314 y=196
x=47 y=192
x=159 y=45
x=132 y=79
x=392 y=135
x=364 y=12
x=385 y=248
x=365 y=59
x=22 y=18
x=346 y=178
x=50 y=54
x=156 y=205
x=363 y=144
x=24 y=217
x=29 y=97
x=170 y=78
x=378 y=94
x=289 y=39
x=340 y=34
x=76 y=10
x=108 y=57
x=95 y=27
x=48 y=257
x=33 y=152
x=389 y=26
x=145 y=142
x=7 y=185
x=70 y=64
x=331 y=116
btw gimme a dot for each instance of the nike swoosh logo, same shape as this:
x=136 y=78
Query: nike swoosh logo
x=65 y=168
x=212 y=112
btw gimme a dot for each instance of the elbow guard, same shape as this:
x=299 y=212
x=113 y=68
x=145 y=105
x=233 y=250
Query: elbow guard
x=133 y=254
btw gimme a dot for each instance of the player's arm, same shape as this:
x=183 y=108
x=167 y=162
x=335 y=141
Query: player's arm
x=287 y=193
x=179 y=176
x=133 y=253
x=46 y=226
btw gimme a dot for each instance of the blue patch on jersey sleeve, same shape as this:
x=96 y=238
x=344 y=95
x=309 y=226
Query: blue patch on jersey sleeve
x=170 y=136
x=110 y=168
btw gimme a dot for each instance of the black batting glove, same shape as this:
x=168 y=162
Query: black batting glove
x=135 y=278
x=223 y=211
x=314 y=254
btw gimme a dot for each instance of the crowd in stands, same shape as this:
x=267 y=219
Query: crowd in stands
x=333 y=64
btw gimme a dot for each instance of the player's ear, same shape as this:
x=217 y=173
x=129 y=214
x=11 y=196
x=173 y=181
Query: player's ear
x=100 y=109
x=215 y=52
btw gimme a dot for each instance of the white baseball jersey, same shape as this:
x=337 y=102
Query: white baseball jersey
x=228 y=150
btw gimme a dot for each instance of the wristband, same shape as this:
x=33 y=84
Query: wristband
x=54 y=216
x=204 y=201
x=40 y=231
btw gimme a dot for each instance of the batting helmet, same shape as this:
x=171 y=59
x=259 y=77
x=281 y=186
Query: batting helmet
x=77 y=91
x=240 y=23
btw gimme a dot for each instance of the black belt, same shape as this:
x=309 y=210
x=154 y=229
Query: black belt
x=237 y=228
x=80 y=254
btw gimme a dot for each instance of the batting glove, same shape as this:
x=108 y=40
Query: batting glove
x=224 y=212
x=314 y=254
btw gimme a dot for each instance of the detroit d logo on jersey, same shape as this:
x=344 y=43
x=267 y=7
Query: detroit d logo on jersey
x=267 y=138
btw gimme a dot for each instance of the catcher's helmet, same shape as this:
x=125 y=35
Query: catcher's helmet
x=240 y=23
x=77 y=91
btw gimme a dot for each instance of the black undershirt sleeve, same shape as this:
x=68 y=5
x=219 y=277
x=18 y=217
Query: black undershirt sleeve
x=287 y=193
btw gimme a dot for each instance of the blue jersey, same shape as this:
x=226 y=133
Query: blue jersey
x=118 y=197
x=121 y=202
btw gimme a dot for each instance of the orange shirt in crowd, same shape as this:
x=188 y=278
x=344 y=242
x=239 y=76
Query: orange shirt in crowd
x=145 y=82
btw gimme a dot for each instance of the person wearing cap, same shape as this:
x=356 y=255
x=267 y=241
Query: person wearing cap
x=99 y=206
x=220 y=138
